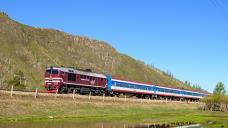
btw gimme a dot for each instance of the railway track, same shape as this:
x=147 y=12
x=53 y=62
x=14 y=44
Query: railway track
x=39 y=94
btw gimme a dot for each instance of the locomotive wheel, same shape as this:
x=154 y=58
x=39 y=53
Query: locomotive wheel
x=63 y=90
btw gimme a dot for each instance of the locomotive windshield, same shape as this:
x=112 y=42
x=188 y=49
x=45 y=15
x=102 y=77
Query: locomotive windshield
x=53 y=71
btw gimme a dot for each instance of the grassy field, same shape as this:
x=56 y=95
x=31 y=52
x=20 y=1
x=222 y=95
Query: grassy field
x=24 y=108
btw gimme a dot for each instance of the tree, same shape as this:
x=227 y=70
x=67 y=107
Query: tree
x=18 y=80
x=219 y=89
x=187 y=83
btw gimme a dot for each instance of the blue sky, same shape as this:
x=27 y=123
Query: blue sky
x=187 y=37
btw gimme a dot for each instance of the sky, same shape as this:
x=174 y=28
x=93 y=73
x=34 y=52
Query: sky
x=186 y=37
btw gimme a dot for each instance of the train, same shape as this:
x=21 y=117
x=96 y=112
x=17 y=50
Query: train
x=69 y=79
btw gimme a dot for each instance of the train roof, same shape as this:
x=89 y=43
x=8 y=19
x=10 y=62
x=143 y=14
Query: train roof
x=150 y=83
x=79 y=71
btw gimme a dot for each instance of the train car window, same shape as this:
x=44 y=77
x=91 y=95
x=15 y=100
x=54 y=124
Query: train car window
x=143 y=88
x=151 y=88
x=113 y=83
x=137 y=87
x=71 y=77
x=140 y=87
x=117 y=84
x=123 y=85
x=172 y=91
x=164 y=90
x=131 y=86
x=176 y=92
x=161 y=90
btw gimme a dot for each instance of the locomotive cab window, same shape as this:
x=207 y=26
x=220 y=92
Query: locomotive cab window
x=54 y=71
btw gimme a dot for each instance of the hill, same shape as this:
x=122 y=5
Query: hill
x=30 y=50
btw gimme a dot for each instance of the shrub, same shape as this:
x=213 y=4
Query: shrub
x=17 y=81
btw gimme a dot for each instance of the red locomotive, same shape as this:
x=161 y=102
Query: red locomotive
x=65 y=80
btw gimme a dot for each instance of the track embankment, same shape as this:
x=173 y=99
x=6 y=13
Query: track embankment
x=88 y=98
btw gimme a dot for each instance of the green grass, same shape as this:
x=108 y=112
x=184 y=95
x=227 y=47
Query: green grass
x=19 y=109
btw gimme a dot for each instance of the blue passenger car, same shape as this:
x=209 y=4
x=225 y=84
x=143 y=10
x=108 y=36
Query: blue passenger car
x=116 y=86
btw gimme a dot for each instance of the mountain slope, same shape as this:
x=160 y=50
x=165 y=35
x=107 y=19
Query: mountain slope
x=31 y=50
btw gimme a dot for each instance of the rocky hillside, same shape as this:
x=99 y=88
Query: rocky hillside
x=30 y=50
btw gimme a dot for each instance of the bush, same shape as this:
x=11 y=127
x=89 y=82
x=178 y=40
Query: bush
x=17 y=81
x=216 y=102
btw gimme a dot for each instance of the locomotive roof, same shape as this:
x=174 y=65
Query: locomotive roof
x=77 y=71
